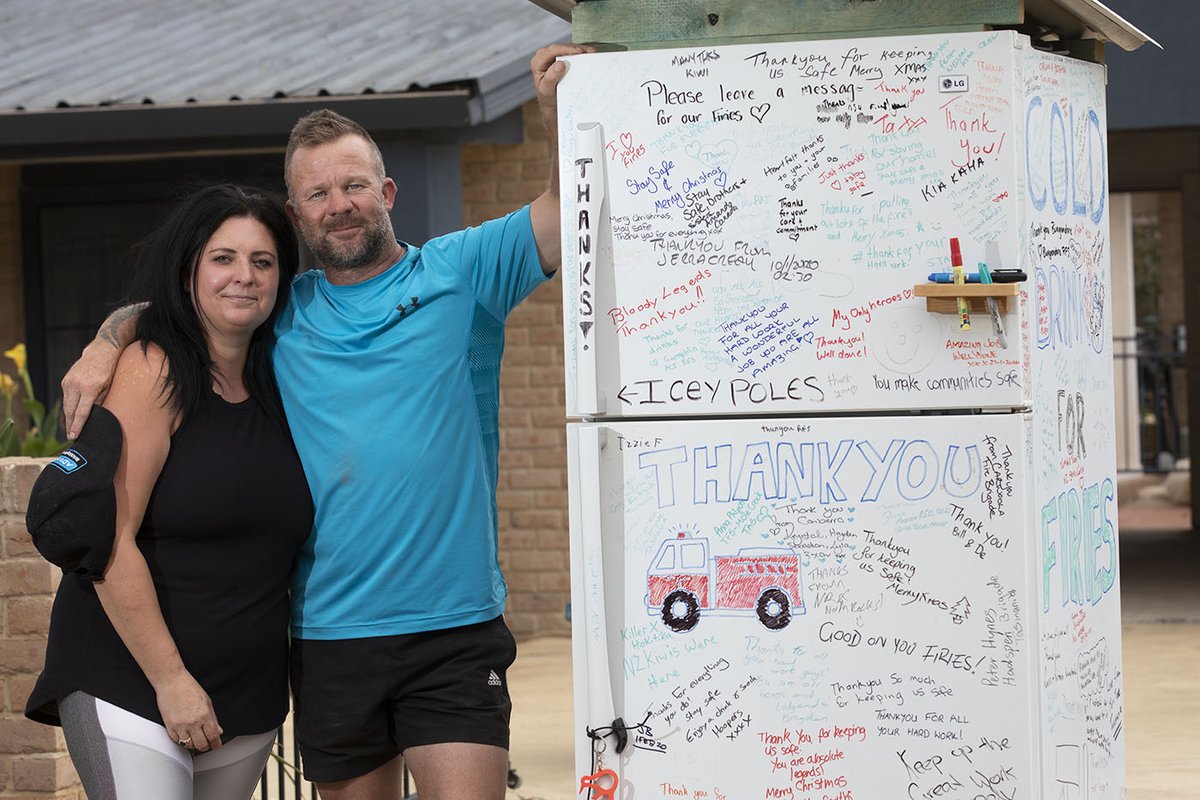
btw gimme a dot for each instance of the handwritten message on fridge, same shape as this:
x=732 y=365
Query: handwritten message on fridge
x=769 y=208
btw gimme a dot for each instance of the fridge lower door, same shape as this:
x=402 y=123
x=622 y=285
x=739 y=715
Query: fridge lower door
x=803 y=608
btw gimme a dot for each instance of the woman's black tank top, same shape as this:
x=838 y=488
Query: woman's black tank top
x=223 y=524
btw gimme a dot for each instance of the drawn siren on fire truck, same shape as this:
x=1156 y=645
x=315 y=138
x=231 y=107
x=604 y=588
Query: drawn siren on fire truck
x=685 y=580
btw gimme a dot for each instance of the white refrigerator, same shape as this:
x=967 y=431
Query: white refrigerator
x=836 y=535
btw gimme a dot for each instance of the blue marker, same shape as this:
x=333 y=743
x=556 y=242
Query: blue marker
x=998 y=276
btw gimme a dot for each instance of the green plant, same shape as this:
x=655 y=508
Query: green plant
x=41 y=437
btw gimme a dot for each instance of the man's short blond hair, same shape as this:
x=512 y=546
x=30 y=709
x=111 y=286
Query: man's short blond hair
x=325 y=127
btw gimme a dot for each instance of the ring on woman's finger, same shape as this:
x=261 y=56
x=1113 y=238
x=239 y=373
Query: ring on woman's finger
x=185 y=742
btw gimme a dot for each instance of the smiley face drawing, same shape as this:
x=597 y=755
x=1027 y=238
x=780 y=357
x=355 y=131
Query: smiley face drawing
x=904 y=342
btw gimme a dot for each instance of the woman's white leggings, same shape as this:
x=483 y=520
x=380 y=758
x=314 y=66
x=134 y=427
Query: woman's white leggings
x=121 y=756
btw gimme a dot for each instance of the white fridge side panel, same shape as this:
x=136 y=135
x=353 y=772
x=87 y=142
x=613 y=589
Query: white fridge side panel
x=812 y=608
x=597 y=586
x=769 y=214
x=579 y=592
x=1066 y=247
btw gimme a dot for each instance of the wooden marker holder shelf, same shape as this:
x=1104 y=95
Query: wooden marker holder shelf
x=942 y=298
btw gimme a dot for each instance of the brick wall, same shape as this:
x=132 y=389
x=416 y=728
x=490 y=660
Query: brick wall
x=33 y=760
x=12 y=301
x=532 y=496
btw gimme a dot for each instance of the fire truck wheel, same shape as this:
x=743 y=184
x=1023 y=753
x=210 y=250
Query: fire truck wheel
x=681 y=611
x=774 y=609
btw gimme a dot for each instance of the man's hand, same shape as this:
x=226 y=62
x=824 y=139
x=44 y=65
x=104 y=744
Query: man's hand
x=547 y=72
x=544 y=212
x=86 y=383
x=88 y=380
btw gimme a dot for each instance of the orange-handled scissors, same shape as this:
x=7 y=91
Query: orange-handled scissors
x=592 y=783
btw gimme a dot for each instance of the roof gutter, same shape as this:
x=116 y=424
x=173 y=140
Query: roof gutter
x=138 y=130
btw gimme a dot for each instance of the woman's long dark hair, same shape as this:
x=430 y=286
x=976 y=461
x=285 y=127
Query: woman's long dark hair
x=167 y=261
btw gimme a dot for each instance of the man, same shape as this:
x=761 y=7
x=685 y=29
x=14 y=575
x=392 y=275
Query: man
x=388 y=364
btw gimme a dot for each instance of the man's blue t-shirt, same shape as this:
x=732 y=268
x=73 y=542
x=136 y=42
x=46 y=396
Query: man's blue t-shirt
x=391 y=388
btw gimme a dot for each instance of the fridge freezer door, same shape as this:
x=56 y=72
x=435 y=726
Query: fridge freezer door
x=747 y=229
x=804 y=607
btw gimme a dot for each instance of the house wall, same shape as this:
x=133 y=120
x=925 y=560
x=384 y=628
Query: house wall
x=532 y=496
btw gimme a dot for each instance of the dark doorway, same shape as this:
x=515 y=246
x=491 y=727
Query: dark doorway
x=79 y=221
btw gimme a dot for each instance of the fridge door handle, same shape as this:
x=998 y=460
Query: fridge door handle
x=602 y=717
x=590 y=190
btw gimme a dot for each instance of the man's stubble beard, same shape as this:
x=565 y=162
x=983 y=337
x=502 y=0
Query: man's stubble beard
x=355 y=257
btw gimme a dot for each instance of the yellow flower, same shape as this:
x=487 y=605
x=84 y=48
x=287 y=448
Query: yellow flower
x=17 y=354
x=8 y=386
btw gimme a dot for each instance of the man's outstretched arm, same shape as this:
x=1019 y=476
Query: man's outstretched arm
x=544 y=212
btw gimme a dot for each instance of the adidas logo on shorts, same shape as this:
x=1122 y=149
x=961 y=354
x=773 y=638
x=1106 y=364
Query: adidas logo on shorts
x=493 y=678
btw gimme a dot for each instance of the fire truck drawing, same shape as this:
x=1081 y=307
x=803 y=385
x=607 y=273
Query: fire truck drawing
x=684 y=580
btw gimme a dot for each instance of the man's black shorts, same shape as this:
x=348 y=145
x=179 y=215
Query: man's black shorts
x=361 y=702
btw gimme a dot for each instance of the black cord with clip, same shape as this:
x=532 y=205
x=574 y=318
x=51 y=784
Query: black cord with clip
x=617 y=729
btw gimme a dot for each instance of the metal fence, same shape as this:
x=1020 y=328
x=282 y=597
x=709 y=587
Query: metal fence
x=282 y=778
x=1152 y=392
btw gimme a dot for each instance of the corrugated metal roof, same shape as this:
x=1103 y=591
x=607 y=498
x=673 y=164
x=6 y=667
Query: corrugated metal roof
x=87 y=53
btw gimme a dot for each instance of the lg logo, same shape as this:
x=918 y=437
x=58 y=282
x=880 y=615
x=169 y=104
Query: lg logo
x=953 y=83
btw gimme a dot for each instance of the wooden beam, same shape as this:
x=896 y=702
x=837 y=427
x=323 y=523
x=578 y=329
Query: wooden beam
x=604 y=46
x=636 y=24
x=1086 y=50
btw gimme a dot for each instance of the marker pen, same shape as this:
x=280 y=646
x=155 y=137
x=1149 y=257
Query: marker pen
x=993 y=308
x=964 y=309
x=998 y=276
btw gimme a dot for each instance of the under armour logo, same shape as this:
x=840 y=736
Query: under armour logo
x=403 y=309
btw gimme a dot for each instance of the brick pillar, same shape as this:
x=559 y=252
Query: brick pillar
x=1173 y=287
x=33 y=758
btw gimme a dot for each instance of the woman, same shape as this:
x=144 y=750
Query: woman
x=169 y=676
